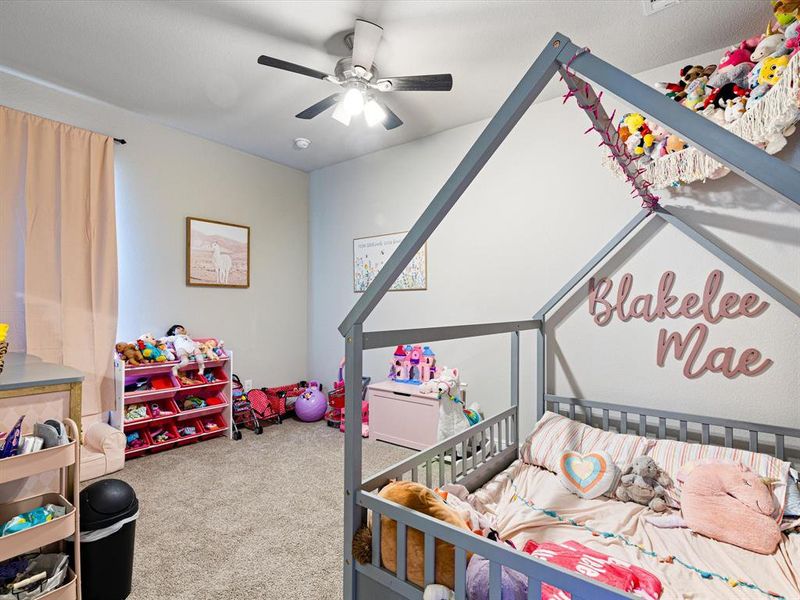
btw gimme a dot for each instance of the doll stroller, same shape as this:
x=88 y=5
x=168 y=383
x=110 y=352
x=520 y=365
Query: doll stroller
x=242 y=410
x=273 y=403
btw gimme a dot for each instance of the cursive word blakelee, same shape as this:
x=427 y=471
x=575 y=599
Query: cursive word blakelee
x=710 y=306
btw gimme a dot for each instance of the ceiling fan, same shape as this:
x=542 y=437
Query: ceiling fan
x=358 y=76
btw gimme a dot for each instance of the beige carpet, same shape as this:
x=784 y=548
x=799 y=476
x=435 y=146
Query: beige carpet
x=260 y=518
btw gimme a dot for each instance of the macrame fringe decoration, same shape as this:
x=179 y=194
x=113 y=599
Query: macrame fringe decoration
x=730 y=581
x=610 y=138
x=765 y=125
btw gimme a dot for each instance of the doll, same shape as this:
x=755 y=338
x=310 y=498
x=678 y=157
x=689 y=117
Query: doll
x=186 y=349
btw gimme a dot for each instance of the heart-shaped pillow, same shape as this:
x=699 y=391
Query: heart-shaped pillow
x=587 y=475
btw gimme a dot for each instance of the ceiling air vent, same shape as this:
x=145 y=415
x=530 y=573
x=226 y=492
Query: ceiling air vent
x=653 y=6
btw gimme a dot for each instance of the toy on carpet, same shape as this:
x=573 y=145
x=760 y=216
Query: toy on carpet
x=335 y=416
x=729 y=503
x=311 y=403
x=413 y=364
x=644 y=482
x=421 y=499
x=129 y=353
x=186 y=349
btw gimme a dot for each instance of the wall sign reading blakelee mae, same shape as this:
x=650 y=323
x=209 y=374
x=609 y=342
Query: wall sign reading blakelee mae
x=710 y=306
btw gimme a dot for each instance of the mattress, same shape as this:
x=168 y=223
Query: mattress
x=504 y=500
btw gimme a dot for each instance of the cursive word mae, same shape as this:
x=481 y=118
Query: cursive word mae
x=710 y=306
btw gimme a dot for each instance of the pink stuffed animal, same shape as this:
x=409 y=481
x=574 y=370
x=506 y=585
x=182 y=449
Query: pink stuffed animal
x=729 y=503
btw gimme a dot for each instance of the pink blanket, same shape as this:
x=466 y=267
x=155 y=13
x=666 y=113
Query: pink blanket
x=596 y=565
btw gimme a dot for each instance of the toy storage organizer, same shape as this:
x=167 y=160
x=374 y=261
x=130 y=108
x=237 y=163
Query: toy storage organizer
x=52 y=535
x=168 y=418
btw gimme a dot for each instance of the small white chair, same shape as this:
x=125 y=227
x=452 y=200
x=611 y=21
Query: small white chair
x=103 y=451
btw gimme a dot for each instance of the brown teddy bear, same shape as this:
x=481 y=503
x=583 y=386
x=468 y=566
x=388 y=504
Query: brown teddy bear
x=130 y=353
x=422 y=499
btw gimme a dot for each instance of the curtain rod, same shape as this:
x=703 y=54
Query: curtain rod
x=120 y=141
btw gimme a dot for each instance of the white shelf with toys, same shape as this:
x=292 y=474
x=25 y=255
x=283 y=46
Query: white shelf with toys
x=165 y=403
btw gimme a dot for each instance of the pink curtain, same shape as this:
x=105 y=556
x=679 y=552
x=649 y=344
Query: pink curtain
x=58 y=267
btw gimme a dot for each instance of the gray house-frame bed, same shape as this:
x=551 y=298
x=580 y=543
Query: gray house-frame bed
x=493 y=444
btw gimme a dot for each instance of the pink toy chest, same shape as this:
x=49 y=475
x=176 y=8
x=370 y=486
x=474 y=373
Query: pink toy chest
x=400 y=414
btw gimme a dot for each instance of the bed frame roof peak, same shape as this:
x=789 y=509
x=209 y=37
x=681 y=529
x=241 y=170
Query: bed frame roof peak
x=560 y=54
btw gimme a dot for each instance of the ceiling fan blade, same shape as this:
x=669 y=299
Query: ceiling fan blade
x=366 y=38
x=418 y=83
x=321 y=106
x=277 y=63
x=392 y=120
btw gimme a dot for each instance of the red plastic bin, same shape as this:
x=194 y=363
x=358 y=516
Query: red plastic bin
x=219 y=380
x=218 y=420
x=167 y=407
x=213 y=404
x=183 y=440
x=162 y=385
x=133 y=453
x=147 y=417
x=169 y=427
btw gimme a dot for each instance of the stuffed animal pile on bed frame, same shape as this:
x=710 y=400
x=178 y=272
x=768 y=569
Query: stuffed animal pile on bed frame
x=728 y=90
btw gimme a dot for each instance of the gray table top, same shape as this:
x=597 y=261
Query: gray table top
x=25 y=370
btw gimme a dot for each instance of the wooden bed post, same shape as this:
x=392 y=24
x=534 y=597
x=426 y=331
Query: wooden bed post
x=515 y=381
x=354 y=515
x=540 y=370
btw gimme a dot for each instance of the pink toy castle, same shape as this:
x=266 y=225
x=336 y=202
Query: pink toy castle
x=413 y=364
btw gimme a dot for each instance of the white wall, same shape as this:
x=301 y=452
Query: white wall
x=163 y=176
x=540 y=209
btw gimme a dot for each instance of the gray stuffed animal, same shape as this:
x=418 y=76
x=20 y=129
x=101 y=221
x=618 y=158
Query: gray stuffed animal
x=644 y=482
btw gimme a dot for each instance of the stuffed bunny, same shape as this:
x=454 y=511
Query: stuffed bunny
x=644 y=482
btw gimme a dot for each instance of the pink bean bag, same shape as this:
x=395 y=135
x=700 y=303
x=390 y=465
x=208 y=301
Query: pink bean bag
x=730 y=503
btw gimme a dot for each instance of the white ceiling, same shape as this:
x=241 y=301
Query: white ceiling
x=192 y=65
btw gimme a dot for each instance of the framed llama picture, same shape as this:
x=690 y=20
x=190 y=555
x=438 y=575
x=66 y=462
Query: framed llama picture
x=371 y=253
x=217 y=254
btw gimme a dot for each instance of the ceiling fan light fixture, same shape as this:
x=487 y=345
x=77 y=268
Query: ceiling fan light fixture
x=353 y=101
x=373 y=113
x=341 y=114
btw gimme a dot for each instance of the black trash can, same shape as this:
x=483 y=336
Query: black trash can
x=109 y=510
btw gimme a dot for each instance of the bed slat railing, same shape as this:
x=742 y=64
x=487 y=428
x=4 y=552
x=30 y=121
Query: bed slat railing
x=490 y=442
x=537 y=571
x=401 y=550
x=754 y=437
x=461 y=574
